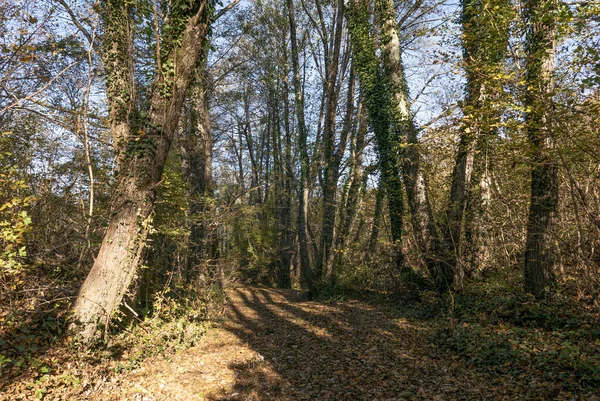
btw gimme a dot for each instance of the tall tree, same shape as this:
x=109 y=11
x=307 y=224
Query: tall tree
x=403 y=124
x=486 y=32
x=197 y=142
x=378 y=102
x=331 y=156
x=540 y=253
x=485 y=27
x=142 y=138
x=352 y=198
x=304 y=161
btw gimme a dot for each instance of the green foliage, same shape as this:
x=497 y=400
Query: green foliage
x=175 y=323
x=15 y=222
x=510 y=332
x=254 y=243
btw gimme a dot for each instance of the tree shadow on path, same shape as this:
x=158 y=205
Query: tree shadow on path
x=347 y=351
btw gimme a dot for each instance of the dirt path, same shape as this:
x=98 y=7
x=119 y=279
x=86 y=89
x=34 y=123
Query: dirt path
x=272 y=347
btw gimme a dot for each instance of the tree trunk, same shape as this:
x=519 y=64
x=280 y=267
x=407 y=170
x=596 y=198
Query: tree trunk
x=352 y=199
x=304 y=162
x=142 y=148
x=452 y=270
x=416 y=190
x=540 y=252
x=485 y=42
x=378 y=101
x=199 y=175
x=331 y=164
x=372 y=247
x=476 y=254
x=286 y=194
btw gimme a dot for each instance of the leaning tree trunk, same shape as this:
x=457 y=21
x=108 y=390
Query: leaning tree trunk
x=540 y=253
x=142 y=146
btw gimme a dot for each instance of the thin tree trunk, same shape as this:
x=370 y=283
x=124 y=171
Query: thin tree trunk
x=304 y=162
x=285 y=207
x=372 y=247
x=331 y=165
x=199 y=176
x=352 y=199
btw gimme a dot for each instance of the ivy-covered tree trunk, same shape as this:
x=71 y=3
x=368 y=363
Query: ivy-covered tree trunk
x=378 y=102
x=142 y=142
x=485 y=43
x=416 y=190
x=540 y=257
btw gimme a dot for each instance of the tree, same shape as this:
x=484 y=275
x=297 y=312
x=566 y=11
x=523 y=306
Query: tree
x=540 y=253
x=331 y=156
x=485 y=28
x=142 y=137
x=378 y=102
x=304 y=161
x=402 y=123
x=196 y=140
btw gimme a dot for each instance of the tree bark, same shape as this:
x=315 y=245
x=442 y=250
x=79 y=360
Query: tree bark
x=372 y=247
x=352 y=198
x=142 y=145
x=286 y=192
x=540 y=252
x=330 y=159
x=304 y=162
x=378 y=102
x=416 y=190
x=485 y=43
x=199 y=175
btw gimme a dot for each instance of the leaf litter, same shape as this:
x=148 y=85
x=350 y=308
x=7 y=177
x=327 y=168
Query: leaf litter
x=274 y=346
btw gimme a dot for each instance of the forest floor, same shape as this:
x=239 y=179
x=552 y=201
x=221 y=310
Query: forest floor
x=272 y=345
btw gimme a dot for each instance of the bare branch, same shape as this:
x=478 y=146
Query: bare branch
x=75 y=20
x=18 y=102
x=224 y=10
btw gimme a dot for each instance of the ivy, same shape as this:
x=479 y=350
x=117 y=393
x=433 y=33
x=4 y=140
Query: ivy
x=378 y=102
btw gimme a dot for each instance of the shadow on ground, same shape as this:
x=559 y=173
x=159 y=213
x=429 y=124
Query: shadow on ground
x=345 y=351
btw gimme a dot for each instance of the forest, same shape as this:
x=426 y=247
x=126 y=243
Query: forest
x=300 y=200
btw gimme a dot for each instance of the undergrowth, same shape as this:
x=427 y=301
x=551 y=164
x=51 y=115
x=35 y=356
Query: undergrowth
x=496 y=327
x=493 y=325
x=37 y=353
